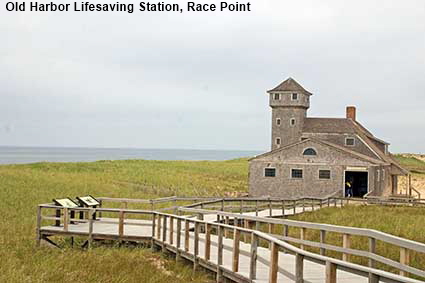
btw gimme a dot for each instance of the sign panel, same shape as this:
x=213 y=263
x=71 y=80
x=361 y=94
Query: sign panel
x=89 y=200
x=65 y=202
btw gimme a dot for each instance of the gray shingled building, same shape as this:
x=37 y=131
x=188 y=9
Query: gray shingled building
x=316 y=157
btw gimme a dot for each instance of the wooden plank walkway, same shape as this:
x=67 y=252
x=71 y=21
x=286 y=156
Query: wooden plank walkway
x=214 y=240
x=105 y=228
x=313 y=272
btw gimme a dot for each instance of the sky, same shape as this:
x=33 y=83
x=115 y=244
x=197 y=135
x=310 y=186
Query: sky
x=199 y=80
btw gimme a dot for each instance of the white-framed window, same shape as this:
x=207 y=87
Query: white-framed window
x=350 y=141
x=324 y=174
x=276 y=96
x=278 y=141
x=269 y=172
x=278 y=121
x=292 y=122
x=294 y=96
x=296 y=173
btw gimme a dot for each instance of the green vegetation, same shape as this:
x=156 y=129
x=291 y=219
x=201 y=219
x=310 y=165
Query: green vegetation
x=411 y=163
x=22 y=187
x=406 y=222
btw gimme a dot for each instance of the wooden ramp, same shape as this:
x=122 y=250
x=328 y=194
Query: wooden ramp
x=234 y=246
x=313 y=272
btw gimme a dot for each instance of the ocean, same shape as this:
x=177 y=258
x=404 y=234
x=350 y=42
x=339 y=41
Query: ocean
x=21 y=155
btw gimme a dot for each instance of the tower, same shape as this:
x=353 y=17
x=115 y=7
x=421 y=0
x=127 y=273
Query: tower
x=289 y=102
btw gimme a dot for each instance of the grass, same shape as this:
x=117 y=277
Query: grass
x=406 y=222
x=411 y=163
x=22 y=187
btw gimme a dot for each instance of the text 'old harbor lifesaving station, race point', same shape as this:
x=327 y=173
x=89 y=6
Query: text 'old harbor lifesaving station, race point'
x=319 y=157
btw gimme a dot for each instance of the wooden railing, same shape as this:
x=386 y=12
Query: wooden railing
x=177 y=233
x=346 y=233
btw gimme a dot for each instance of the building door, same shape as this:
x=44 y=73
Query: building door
x=358 y=182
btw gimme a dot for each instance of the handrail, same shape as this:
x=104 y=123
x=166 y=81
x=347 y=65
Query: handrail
x=378 y=235
x=275 y=243
x=405 y=245
x=297 y=251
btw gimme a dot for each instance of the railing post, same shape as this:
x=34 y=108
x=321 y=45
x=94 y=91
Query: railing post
x=158 y=228
x=302 y=236
x=178 y=240
x=274 y=261
x=256 y=207
x=404 y=259
x=372 y=250
x=373 y=278
x=100 y=206
x=303 y=205
x=330 y=272
x=222 y=204
x=322 y=241
x=246 y=226
x=196 y=246
x=121 y=224
x=164 y=230
x=270 y=208
x=285 y=231
x=312 y=204
x=39 y=219
x=346 y=244
x=241 y=206
x=220 y=233
x=153 y=231
x=226 y=221
x=186 y=235
x=91 y=222
x=207 y=241
x=271 y=227
x=65 y=219
x=283 y=207
x=253 y=259
x=299 y=268
x=171 y=230
x=236 y=239
x=295 y=206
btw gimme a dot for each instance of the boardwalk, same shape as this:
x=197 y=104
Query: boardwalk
x=232 y=244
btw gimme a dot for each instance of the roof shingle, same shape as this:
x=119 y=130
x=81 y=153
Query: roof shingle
x=290 y=85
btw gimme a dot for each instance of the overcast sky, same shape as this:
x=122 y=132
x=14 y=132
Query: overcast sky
x=198 y=80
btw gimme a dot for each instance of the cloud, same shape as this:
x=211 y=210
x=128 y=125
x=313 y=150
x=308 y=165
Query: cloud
x=198 y=80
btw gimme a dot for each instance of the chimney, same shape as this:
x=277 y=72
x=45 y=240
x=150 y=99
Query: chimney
x=351 y=113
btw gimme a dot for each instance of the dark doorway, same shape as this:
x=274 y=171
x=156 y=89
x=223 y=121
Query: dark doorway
x=358 y=182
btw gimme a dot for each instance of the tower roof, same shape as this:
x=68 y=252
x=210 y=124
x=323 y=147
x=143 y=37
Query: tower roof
x=290 y=85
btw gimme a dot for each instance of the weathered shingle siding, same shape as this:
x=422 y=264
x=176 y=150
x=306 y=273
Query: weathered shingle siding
x=284 y=160
x=339 y=139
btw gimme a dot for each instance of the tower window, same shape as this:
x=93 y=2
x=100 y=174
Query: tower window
x=295 y=96
x=269 y=172
x=278 y=121
x=278 y=141
x=350 y=142
x=276 y=96
x=296 y=173
x=292 y=122
x=310 y=151
x=325 y=174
